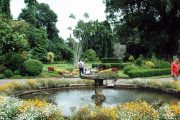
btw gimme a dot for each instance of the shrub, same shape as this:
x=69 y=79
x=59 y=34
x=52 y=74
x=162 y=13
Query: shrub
x=129 y=68
x=2 y=68
x=144 y=67
x=119 y=65
x=149 y=64
x=110 y=65
x=95 y=65
x=155 y=60
x=32 y=67
x=17 y=72
x=108 y=74
x=138 y=62
x=50 y=57
x=104 y=66
x=111 y=60
x=13 y=60
x=8 y=73
x=96 y=113
x=164 y=64
x=131 y=58
x=148 y=72
x=91 y=55
x=1 y=76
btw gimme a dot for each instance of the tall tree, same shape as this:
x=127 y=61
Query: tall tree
x=30 y=2
x=40 y=15
x=144 y=23
x=5 y=8
x=1 y=4
x=102 y=39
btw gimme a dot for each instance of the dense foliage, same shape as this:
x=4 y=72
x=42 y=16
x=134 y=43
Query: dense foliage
x=148 y=72
x=31 y=67
x=146 y=26
x=44 y=31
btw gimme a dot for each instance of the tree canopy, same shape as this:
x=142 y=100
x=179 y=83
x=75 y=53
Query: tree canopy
x=40 y=15
x=146 y=26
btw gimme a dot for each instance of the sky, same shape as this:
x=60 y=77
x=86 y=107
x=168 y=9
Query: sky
x=63 y=8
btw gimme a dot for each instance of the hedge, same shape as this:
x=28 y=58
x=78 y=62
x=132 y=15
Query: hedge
x=129 y=68
x=164 y=64
x=148 y=72
x=111 y=60
x=111 y=65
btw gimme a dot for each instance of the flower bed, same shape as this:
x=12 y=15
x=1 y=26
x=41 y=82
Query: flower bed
x=16 y=109
x=138 y=110
x=50 y=68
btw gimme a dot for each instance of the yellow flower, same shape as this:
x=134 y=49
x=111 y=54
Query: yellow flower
x=175 y=108
x=35 y=103
x=32 y=83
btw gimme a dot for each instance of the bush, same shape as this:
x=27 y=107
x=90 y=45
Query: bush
x=139 y=62
x=111 y=60
x=144 y=67
x=17 y=72
x=8 y=73
x=95 y=65
x=2 y=68
x=110 y=65
x=148 y=72
x=164 y=64
x=104 y=66
x=50 y=57
x=131 y=58
x=129 y=68
x=31 y=67
x=1 y=76
x=149 y=64
x=91 y=55
x=14 y=60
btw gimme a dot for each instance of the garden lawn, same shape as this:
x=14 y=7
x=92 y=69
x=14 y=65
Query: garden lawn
x=50 y=74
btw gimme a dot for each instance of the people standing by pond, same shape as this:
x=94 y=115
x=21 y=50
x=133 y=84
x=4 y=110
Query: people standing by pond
x=81 y=67
x=175 y=69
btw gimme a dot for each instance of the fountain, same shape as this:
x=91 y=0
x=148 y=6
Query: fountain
x=98 y=97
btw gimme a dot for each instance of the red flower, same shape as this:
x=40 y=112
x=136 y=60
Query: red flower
x=114 y=69
x=50 y=68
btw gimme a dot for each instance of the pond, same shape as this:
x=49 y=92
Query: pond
x=69 y=100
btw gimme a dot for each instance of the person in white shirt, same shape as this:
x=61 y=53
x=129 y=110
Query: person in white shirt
x=81 y=67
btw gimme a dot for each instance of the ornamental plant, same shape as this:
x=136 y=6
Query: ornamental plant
x=50 y=57
x=149 y=64
x=16 y=109
x=32 y=67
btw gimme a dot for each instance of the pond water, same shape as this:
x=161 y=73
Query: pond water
x=71 y=99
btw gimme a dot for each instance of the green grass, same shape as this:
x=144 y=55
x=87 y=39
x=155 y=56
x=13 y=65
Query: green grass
x=61 y=66
x=46 y=74
x=122 y=75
